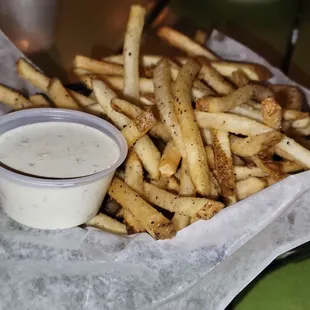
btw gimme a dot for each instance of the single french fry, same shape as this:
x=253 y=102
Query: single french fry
x=80 y=72
x=254 y=72
x=239 y=78
x=244 y=172
x=39 y=101
x=248 y=111
x=170 y=160
x=249 y=186
x=290 y=97
x=184 y=43
x=290 y=167
x=206 y=136
x=106 y=223
x=60 y=96
x=13 y=99
x=173 y=185
x=166 y=105
x=195 y=152
x=194 y=207
x=97 y=66
x=153 y=222
x=301 y=123
x=210 y=157
x=201 y=37
x=26 y=71
x=147 y=100
x=224 y=165
x=272 y=113
x=253 y=145
x=132 y=50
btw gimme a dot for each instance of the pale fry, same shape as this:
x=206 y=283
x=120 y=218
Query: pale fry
x=170 y=160
x=132 y=51
x=153 y=222
x=244 y=172
x=249 y=186
x=210 y=157
x=184 y=43
x=106 y=223
x=272 y=113
x=39 y=101
x=173 y=185
x=248 y=111
x=194 y=207
x=60 y=96
x=224 y=165
x=253 y=145
x=195 y=152
x=290 y=167
x=13 y=99
x=301 y=123
x=96 y=66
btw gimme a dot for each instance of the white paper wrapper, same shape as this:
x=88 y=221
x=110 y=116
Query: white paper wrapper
x=204 y=267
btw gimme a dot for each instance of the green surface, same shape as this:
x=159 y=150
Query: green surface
x=286 y=288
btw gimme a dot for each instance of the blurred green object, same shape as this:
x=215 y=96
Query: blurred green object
x=285 y=288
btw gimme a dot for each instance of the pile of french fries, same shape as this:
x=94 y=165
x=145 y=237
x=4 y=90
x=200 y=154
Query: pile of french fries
x=203 y=132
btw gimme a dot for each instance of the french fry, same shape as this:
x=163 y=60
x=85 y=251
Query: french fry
x=244 y=172
x=38 y=101
x=194 y=207
x=195 y=152
x=206 y=136
x=26 y=71
x=173 y=185
x=106 y=223
x=60 y=96
x=152 y=221
x=272 y=113
x=290 y=97
x=200 y=37
x=166 y=105
x=290 y=167
x=249 y=186
x=224 y=165
x=253 y=145
x=170 y=160
x=96 y=66
x=239 y=78
x=210 y=157
x=132 y=50
x=248 y=111
x=301 y=123
x=254 y=72
x=184 y=43
x=13 y=99
x=293 y=115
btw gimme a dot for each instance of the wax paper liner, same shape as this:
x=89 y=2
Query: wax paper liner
x=203 y=267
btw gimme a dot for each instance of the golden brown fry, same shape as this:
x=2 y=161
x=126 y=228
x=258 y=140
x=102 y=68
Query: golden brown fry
x=290 y=167
x=194 y=207
x=39 y=101
x=132 y=50
x=170 y=160
x=60 y=96
x=106 y=223
x=153 y=222
x=195 y=152
x=26 y=71
x=272 y=113
x=239 y=78
x=201 y=37
x=224 y=165
x=254 y=72
x=249 y=186
x=253 y=145
x=13 y=99
x=96 y=66
x=184 y=43
x=210 y=157
x=244 y=172
x=290 y=97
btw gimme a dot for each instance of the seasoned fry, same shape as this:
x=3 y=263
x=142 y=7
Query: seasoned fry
x=184 y=43
x=169 y=160
x=253 y=145
x=153 y=222
x=60 y=96
x=96 y=66
x=290 y=97
x=132 y=50
x=244 y=172
x=224 y=165
x=195 y=153
x=39 y=101
x=254 y=72
x=194 y=207
x=106 y=223
x=13 y=99
x=272 y=113
x=239 y=78
x=249 y=186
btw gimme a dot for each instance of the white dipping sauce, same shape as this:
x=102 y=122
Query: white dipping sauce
x=57 y=150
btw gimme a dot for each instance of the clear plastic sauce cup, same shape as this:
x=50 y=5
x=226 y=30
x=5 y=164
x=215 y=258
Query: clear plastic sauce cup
x=56 y=203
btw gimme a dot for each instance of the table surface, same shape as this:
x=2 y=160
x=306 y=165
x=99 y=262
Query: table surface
x=95 y=28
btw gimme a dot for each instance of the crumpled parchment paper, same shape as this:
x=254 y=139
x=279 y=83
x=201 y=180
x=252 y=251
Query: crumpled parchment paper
x=204 y=267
